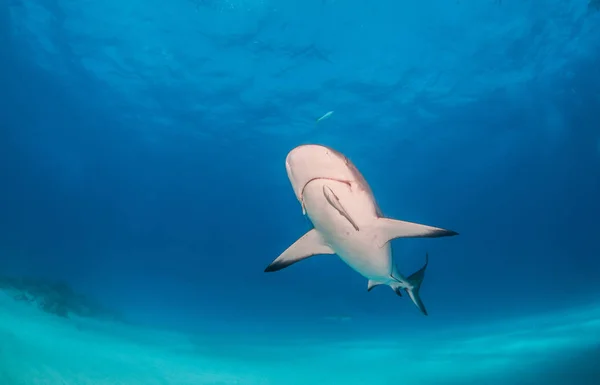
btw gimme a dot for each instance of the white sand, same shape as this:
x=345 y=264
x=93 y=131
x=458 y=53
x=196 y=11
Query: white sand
x=37 y=348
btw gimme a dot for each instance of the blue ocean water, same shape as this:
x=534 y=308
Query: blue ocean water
x=144 y=190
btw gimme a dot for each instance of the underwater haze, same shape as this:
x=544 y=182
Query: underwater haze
x=143 y=190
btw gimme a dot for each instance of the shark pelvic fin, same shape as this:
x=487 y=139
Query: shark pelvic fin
x=392 y=229
x=336 y=204
x=372 y=284
x=309 y=244
x=397 y=287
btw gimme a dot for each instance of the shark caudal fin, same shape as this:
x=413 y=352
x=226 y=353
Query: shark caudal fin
x=412 y=285
x=415 y=281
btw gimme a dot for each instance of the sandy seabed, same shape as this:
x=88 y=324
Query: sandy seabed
x=552 y=349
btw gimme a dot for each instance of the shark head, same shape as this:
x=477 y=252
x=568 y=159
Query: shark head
x=309 y=162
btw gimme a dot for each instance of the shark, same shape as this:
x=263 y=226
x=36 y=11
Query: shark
x=347 y=221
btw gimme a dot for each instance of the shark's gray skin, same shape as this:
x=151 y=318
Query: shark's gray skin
x=348 y=221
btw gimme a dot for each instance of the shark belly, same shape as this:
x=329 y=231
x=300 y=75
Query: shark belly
x=348 y=222
x=355 y=241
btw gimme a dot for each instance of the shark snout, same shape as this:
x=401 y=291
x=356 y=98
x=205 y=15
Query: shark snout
x=293 y=177
x=306 y=163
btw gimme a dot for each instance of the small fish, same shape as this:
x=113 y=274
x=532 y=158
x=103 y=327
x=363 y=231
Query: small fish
x=325 y=116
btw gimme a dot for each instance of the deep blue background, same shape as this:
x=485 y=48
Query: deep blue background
x=142 y=149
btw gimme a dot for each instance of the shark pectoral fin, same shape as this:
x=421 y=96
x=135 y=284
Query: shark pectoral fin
x=308 y=245
x=392 y=228
x=372 y=284
x=336 y=204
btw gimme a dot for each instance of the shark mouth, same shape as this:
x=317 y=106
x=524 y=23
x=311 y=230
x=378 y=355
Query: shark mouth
x=347 y=182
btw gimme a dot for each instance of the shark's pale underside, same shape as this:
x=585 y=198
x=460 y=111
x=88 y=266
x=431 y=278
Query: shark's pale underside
x=348 y=222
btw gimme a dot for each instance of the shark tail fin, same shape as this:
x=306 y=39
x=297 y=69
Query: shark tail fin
x=412 y=286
